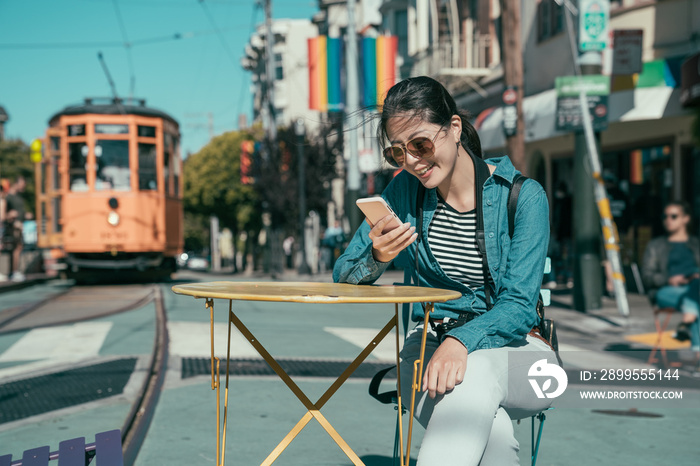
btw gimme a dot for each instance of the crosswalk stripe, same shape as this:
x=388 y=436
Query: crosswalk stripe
x=360 y=337
x=192 y=339
x=80 y=340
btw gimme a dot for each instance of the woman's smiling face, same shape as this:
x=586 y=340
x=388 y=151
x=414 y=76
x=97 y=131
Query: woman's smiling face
x=430 y=170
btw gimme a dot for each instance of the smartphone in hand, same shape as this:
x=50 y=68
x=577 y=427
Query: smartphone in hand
x=375 y=209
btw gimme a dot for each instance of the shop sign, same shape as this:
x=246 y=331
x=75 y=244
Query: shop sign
x=596 y=89
x=690 y=82
x=594 y=17
x=627 y=51
x=510 y=111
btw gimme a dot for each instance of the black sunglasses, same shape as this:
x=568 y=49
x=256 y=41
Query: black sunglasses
x=421 y=146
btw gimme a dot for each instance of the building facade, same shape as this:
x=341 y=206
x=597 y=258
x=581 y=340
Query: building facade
x=647 y=150
x=648 y=153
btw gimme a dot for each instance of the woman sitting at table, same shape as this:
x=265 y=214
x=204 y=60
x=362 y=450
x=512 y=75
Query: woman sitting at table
x=467 y=402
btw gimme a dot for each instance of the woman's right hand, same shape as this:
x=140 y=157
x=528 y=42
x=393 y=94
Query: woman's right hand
x=677 y=280
x=386 y=246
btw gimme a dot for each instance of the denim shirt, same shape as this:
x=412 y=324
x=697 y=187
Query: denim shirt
x=516 y=265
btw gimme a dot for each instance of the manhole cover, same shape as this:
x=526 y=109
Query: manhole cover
x=629 y=413
x=37 y=395
x=192 y=367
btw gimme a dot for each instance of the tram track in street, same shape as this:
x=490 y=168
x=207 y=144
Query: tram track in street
x=78 y=304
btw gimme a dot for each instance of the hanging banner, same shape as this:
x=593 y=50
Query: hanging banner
x=325 y=58
x=378 y=68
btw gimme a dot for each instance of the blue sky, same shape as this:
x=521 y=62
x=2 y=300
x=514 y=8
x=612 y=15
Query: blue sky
x=49 y=58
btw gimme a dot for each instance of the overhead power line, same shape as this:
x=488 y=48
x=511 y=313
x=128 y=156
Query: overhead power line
x=219 y=34
x=107 y=44
x=127 y=46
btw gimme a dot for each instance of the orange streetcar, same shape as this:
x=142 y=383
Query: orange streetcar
x=109 y=189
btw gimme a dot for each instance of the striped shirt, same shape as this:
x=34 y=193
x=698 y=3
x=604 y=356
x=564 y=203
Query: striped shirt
x=452 y=240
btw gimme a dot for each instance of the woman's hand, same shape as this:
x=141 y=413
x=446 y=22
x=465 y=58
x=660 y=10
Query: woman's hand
x=446 y=368
x=677 y=280
x=386 y=246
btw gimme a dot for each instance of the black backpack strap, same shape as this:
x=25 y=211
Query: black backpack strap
x=513 y=201
x=386 y=397
x=481 y=173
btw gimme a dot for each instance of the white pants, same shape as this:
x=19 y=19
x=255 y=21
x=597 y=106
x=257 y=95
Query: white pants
x=472 y=424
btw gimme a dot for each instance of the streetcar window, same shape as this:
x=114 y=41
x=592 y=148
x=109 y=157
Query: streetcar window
x=112 y=158
x=176 y=174
x=112 y=129
x=43 y=219
x=147 y=131
x=55 y=144
x=76 y=130
x=78 y=159
x=166 y=170
x=56 y=173
x=147 y=167
x=44 y=180
x=57 y=226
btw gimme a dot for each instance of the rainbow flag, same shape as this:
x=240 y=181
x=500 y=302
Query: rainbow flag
x=378 y=68
x=325 y=63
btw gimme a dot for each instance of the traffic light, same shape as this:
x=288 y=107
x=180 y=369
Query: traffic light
x=35 y=151
x=247 y=148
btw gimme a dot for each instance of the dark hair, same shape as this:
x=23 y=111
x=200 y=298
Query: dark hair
x=686 y=209
x=426 y=99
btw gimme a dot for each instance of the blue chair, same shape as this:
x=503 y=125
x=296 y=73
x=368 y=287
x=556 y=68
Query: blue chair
x=107 y=450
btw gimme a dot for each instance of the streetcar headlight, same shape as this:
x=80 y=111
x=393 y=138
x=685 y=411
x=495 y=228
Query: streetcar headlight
x=113 y=218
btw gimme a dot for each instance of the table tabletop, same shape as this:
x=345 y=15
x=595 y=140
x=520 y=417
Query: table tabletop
x=314 y=292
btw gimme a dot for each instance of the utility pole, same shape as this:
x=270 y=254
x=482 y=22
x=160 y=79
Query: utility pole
x=209 y=125
x=269 y=155
x=588 y=275
x=269 y=118
x=300 y=131
x=513 y=70
x=351 y=108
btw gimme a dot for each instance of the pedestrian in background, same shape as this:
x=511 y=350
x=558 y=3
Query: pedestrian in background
x=466 y=401
x=671 y=272
x=14 y=218
x=4 y=188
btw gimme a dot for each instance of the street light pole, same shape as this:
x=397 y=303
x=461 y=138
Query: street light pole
x=299 y=130
x=353 y=100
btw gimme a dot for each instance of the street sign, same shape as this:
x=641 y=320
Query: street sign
x=627 y=51
x=510 y=111
x=596 y=88
x=594 y=17
x=690 y=81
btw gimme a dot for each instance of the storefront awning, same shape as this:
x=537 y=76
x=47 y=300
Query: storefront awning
x=647 y=103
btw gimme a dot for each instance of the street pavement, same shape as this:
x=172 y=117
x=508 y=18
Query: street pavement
x=262 y=409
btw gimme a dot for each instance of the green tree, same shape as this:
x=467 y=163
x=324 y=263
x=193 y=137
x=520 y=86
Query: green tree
x=213 y=187
x=14 y=162
x=278 y=181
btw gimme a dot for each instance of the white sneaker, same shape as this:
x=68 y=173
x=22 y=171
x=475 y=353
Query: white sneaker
x=3 y=277
x=17 y=277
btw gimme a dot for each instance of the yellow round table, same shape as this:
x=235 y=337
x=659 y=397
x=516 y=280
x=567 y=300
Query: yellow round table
x=316 y=293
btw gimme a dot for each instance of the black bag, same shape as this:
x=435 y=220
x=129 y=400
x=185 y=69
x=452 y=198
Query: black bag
x=545 y=326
